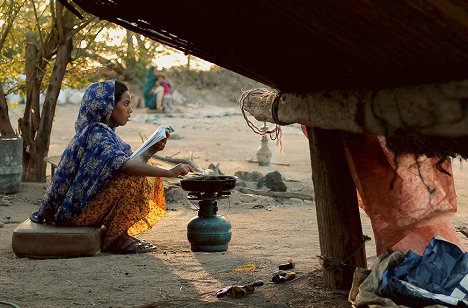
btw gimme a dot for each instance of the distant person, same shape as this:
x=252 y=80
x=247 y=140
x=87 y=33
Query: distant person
x=167 y=85
x=157 y=89
x=97 y=184
x=152 y=95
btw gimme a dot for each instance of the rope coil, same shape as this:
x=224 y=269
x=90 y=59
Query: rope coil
x=336 y=264
x=275 y=133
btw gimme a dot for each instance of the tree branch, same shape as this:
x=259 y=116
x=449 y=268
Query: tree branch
x=179 y=161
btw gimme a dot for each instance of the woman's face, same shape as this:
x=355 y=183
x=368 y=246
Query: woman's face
x=123 y=109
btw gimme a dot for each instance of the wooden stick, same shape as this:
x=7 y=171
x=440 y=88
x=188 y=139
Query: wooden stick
x=255 y=161
x=463 y=230
x=276 y=194
x=179 y=161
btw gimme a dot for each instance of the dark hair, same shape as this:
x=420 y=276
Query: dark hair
x=120 y=88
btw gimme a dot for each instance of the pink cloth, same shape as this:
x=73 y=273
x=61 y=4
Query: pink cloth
x=167 y=89
x=418 y=207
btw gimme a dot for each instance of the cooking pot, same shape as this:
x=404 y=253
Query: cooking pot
x=209 y=183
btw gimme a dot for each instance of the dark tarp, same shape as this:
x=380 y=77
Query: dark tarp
x=438 y=276
x=304 y=46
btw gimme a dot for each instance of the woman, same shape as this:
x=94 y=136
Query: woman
x=96 y=184
x=152 y=93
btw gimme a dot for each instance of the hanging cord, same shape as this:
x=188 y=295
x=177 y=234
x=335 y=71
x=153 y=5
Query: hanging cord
x=229 y=207
x=195 y=205
x=275 y=133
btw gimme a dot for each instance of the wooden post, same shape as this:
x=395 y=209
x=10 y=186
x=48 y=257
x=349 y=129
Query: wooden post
x=430 y=110
x=339 y=223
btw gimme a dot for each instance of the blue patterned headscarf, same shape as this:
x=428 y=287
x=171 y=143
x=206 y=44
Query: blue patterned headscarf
x=92 y=157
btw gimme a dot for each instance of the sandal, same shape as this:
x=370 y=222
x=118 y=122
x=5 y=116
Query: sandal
x=142 y=241
x=129 y=245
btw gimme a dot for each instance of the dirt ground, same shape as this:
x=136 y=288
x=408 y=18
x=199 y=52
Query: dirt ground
x=265 y=231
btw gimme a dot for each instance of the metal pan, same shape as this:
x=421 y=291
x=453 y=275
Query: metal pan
x=209 y=183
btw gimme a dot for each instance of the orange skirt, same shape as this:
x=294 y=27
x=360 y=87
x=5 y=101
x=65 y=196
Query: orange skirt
x=128 y=205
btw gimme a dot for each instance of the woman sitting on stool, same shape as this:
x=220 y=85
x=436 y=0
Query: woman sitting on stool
x=97 y=184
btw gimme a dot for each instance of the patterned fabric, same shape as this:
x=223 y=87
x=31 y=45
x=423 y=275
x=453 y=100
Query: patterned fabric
x=129 y=204
x=91 y=159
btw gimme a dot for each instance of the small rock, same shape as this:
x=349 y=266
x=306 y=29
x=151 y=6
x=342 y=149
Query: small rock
x=240 y=183
x=273 y=181
x=6 y=200
x=254 y=176
x=175 y=195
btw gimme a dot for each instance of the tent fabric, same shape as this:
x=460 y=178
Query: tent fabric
x=409 y=200
x=303 y=46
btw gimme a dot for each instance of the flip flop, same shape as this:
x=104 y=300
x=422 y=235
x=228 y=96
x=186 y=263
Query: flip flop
x=142 y=241
x=137 y=247
x=130 y=245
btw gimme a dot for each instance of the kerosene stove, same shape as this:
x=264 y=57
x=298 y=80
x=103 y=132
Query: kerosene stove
x=208 y=231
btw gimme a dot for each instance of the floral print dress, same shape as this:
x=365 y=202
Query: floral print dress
x=87 y=189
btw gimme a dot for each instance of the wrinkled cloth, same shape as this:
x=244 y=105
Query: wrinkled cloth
x=407 y=198
x=438 y=276
x=418 y=206
x=368 y=295
x=91 y=159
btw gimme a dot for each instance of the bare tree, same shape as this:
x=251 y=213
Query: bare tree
x=42 y=49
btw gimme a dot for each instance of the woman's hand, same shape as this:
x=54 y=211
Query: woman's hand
x=180 y=169
x=160 y=145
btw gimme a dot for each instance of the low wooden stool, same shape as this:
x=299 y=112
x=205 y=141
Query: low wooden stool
x=40 y=241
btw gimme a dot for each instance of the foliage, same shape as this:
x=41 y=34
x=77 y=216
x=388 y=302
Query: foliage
x=101 y=49
x=43 y=46
x=12 y=46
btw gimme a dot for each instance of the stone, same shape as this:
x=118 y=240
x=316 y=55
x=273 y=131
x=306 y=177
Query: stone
x=273 y=181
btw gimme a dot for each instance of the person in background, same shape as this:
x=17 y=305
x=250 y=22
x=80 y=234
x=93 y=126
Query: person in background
x=157 y=91
x=152 y=95
x=167 y=86
x=97 y=184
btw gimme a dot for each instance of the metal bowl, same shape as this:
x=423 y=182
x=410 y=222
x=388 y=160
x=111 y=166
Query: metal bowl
x=209 y=183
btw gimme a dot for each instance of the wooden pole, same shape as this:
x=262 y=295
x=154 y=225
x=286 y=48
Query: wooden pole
x=341 y=239
x=430 y=110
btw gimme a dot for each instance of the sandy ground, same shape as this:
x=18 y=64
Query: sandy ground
x=266 y=231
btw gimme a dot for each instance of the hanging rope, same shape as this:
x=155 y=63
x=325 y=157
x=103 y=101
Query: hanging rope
x=275 y=133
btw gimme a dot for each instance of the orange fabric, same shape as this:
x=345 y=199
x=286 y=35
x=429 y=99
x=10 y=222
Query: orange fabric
x=418 y=207
x=131 y=204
